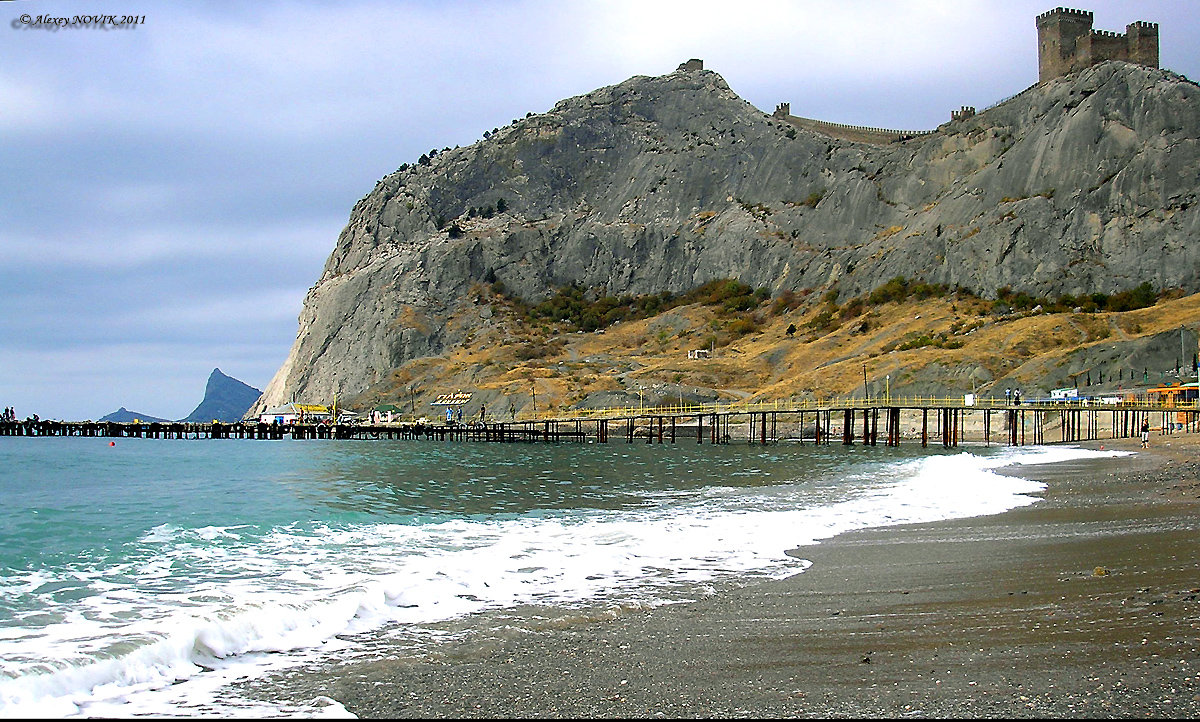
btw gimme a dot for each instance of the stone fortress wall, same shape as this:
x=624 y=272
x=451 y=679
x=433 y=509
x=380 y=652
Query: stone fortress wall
x=860 y=133
x=1066 y=44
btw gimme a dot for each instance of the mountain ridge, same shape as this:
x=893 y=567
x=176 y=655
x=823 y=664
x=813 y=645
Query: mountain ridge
x=125 y=416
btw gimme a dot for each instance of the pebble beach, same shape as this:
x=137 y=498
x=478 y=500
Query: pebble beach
x=1085 y=604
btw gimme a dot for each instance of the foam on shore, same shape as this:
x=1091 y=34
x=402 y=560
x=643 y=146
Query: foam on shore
x=153 y=639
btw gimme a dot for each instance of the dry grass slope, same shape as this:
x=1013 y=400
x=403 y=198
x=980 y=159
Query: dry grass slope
x=938 y=346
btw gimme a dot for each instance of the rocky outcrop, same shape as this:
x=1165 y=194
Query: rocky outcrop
x=1086 y=183
x=225 y=399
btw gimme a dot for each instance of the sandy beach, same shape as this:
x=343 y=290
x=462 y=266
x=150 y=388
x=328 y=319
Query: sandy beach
x=1086 y=604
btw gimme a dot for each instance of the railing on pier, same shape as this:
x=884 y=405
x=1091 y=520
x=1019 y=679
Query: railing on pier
x=853 y=420
x=841 y=403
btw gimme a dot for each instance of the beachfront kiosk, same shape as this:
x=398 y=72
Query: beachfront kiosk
x=1176 y=395
x=293 y=413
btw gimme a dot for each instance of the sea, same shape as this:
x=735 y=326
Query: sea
x=156 y=576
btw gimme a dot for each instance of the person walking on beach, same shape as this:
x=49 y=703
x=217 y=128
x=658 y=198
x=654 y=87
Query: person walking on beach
x=1145 y=434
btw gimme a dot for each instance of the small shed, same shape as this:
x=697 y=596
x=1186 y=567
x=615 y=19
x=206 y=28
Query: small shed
x=385 y=413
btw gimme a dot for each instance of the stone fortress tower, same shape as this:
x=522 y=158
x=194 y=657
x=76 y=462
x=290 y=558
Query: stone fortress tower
x=1067 y=43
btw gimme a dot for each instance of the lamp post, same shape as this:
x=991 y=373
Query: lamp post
x=866 y=394
x=887 y=393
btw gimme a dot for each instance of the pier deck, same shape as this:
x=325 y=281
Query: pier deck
x=847 y=421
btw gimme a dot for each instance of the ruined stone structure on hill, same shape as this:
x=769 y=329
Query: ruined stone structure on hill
x=1067 y=43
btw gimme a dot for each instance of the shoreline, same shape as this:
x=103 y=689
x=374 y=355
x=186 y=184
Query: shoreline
x=1085 y=604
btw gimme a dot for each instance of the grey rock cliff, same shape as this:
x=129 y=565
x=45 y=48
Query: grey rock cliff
x=1085 y=183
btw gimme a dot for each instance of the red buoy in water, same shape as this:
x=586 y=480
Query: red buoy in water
x=112 y=443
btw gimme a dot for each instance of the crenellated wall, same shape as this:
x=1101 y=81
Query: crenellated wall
x=1067 y=43
x=858 y=133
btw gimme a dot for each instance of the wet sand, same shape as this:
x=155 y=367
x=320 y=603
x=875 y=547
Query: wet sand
x=1086 y=604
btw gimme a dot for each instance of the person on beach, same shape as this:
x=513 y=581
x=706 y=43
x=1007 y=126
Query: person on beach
x=1145 y=434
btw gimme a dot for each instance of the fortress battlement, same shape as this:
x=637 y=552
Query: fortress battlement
x=1067 y=43
x=1068 y=13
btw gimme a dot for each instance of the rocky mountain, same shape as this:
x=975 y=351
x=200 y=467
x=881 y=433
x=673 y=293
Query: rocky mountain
x=225 y=399
x=1082 y=184
x=124 y=416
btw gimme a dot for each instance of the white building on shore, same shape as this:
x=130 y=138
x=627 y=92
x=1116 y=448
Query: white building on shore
x=293 y=413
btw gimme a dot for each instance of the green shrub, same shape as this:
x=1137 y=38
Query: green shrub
x=571 y=305
x=743 y=326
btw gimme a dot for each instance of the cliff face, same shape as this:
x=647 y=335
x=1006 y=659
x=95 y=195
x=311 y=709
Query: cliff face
x=1086 y=183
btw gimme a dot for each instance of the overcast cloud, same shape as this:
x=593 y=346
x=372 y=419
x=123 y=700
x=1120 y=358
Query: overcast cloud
x=169 y=193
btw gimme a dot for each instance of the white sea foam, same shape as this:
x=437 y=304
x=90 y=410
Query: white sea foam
x=211 y=604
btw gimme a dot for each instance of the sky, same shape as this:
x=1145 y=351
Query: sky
x=169 y=191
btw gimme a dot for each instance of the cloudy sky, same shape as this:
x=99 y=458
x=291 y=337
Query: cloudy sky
x=169 y=192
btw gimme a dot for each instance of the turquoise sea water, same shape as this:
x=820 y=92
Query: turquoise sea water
x=142 y=577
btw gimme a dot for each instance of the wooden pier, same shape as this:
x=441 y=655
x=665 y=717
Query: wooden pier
x=850 y=421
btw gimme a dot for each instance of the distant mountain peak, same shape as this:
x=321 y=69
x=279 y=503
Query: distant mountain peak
x=124 y=416
x=225 y=399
